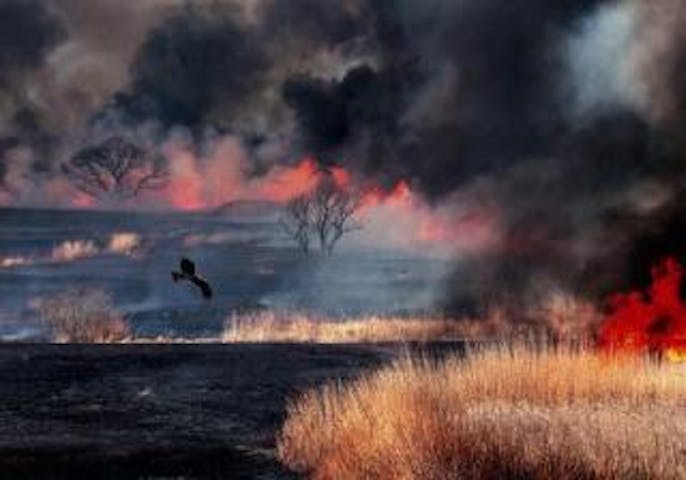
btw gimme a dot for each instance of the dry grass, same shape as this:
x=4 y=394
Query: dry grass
x=297 y=327
x=518 y=412
x=83 y=316
x=559 y=316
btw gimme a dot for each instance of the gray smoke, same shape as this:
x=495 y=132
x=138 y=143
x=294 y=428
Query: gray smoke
x=566 y=116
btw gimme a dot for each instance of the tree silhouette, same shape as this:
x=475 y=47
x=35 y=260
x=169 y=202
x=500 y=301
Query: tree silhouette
x=116 y=168
x=326 y=212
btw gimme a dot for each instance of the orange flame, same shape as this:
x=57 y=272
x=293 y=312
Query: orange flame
x=401 y=216
x=653 y=320
x=283 y=183
x=341 y=177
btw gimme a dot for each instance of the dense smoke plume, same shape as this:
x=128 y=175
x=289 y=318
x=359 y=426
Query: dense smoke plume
x=551 y=129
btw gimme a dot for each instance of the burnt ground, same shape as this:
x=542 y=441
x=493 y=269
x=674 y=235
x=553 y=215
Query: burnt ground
x=152 y=411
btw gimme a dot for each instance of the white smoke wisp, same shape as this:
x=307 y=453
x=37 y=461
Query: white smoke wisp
x=23 y=187
x=402 y=219
x=600 y=62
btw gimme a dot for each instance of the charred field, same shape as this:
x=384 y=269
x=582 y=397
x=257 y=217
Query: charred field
x=157 y=411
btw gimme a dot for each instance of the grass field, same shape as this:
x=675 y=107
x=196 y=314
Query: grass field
x=559 y=316
x=294 y=327
x=501 y=412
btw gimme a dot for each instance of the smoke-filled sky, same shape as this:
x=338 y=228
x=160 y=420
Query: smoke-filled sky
x=552 y=127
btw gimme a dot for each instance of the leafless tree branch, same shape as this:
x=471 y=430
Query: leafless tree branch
x=326 y=213
x=115 y=168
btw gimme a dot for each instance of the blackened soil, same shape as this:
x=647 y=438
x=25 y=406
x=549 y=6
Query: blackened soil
x=157 y=411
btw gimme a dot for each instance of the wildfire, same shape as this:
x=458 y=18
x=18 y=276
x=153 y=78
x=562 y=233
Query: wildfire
x=283 y=183
x=198 y=185
x=396 y=216
x=653 y=320
x=341 y=176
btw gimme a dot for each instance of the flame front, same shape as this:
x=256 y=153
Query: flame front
x=398 y=216
x=650 y=321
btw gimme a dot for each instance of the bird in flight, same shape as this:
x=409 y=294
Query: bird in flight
x=188 y=273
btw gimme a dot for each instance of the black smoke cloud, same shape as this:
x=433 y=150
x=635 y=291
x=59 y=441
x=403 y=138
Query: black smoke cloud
x=335 y=114
x=482 y=99
x=208 y=65
x=472 y=100
x=494 y=61
x=186 y=68
x=320 y=22
x=574 y=221
x=28 y=31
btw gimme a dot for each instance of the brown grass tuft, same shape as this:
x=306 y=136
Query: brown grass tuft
x=83 y=316
x=566 y=413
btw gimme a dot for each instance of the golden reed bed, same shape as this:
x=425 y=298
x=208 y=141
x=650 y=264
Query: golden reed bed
x=506 y=412
x=559 y=316
x=294 y=327
x=90 y=316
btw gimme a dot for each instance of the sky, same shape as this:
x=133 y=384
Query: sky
x=548 y=132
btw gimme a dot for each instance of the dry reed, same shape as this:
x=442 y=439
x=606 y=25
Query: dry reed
x=297 y=327
x=558 y=316
x=518 y=412
x=83 y=316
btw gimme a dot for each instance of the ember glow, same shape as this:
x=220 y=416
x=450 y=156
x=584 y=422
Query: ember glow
x=650 y=321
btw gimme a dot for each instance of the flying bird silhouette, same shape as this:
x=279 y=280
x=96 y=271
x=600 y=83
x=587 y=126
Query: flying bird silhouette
x=188 y=273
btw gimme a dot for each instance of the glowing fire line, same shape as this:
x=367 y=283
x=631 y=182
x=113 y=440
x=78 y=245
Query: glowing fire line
x=653 y=320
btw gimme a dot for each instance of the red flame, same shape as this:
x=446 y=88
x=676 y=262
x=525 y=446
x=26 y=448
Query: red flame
x=397 y=216
x=217 y=182
x=283 y=183
x=653 y=320
x=400 y=196
x=341 y=177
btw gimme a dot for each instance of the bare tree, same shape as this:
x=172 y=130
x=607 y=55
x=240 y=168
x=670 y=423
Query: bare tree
x=297 y=220
x=116 y=168
x=327 y=213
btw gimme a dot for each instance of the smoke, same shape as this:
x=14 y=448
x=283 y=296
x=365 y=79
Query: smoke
x=658 y=53
x=28 y=31
x=540 y=140
x=221 y=173
x=601 y=71
x=465 y=89
x=188 y=66
x=92 y=62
